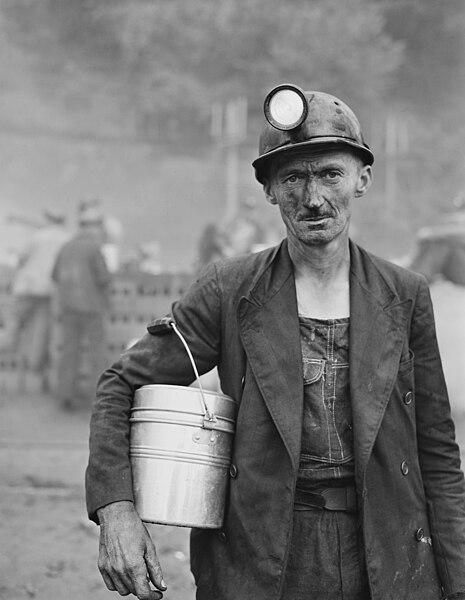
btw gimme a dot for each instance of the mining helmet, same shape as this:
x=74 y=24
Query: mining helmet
x=298 y=119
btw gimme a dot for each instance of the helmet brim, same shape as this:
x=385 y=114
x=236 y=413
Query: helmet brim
x=329 y=142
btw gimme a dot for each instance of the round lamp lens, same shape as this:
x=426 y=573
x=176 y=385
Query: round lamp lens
x=286 y=109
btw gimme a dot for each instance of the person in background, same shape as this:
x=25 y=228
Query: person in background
x=112 y=236
x=82 y=283
x=29 y=336
x=149 y=257
x=239 y=235
x=211 y=245
x=440 y=248
x=345 y=482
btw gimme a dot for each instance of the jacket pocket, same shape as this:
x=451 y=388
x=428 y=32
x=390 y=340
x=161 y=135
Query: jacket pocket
x=406 y=363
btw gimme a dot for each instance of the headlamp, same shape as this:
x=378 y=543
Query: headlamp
x=286 y=107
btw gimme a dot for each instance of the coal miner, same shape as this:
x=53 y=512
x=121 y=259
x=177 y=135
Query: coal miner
x=345 y=481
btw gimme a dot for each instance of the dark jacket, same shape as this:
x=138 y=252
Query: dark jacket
x=82 y=276
x=241 y=315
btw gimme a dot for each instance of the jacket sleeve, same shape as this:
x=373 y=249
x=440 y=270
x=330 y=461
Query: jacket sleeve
x=438 y=452
x=154 y=359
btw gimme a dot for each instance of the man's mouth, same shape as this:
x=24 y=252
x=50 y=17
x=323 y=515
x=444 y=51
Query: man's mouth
x=315 y=218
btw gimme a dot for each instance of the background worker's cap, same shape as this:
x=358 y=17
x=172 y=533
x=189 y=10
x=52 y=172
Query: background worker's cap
x=296 y=120
x=90 y=212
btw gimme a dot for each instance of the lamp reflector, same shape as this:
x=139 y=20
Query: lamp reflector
x=286 y=107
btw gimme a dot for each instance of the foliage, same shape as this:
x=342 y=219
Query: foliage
x=183 y=55
x=434 y=73
x=430 y=87
x=151 y=69
x=164 y=62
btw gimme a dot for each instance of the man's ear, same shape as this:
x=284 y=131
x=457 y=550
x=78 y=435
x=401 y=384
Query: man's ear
x=267 y=188
x=365 y=179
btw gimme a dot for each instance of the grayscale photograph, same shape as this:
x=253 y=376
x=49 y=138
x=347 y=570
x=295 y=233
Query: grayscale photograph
x=232 y=299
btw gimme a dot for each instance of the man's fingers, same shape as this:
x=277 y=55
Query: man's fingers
x=141 y=583
x=115 y=579
x=123 y=583
x=155 y=594
x=154 y=568
x=114 y=584
x=135 y=582
x=108 y=581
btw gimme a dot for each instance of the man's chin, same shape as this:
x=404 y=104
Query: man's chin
x=317 y=236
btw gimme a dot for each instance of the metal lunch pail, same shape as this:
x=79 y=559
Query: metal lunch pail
x=180 y=450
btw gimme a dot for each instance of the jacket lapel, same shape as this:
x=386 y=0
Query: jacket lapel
x=269 y=331
x=377 y=332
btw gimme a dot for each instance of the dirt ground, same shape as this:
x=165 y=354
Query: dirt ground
x=48 y=548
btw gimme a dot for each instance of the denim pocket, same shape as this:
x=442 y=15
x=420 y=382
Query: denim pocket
x=313 y=369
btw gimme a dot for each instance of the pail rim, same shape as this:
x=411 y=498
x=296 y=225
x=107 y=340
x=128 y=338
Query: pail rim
x=186 y=388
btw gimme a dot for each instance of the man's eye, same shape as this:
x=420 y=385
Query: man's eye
x=292 y=178
x=331 y=174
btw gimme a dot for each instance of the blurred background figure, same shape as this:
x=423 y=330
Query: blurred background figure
x=29 y=333
x=112 y=236
x=243 y=233
x=82 y=287
x=144 y=259
x=149 y=257
x=440 y=250
x=211 y=245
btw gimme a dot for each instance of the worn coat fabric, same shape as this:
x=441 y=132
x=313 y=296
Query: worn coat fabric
x=241 y=315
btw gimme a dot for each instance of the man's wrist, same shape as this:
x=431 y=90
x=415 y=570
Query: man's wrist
x=114 y=509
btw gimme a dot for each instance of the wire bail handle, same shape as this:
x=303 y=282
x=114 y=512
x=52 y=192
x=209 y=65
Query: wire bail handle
x=209 y=418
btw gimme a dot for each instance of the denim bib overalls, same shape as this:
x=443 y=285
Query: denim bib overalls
x=325 y=561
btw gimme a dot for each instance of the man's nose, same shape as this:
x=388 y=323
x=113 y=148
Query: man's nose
x=313 y=196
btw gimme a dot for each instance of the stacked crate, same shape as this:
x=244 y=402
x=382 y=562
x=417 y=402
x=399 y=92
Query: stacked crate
x=136 y=299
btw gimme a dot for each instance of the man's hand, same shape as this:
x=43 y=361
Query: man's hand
x=127 y=557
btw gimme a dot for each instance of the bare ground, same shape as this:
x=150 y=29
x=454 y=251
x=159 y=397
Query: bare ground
x=48 y=548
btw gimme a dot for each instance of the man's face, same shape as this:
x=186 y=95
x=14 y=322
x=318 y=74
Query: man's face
x=314 y=191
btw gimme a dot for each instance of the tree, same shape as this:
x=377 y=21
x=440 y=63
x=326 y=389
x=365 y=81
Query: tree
x=162 y=63
x=429 y=90
x=215 y=49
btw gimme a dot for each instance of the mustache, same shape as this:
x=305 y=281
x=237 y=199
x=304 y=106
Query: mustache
x=315 y=213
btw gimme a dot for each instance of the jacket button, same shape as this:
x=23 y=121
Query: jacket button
x=222 y=536
x=404 y=468
x=419 y=534
x=408 y=398
x=233 y=471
